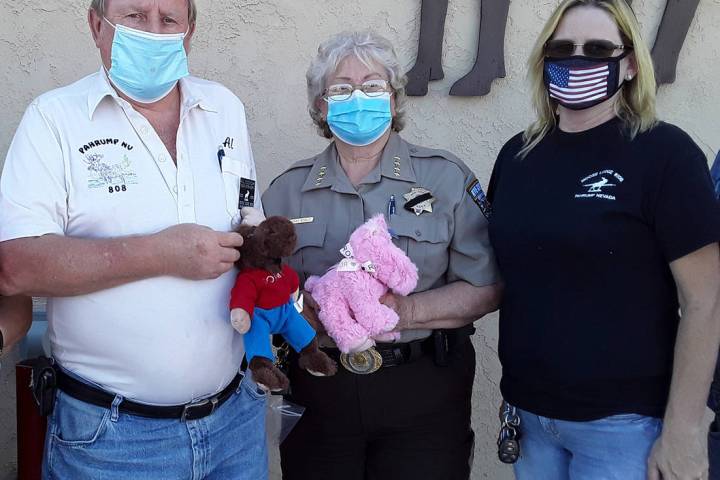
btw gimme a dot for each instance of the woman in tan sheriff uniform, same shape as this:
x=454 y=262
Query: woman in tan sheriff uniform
x=410 y=418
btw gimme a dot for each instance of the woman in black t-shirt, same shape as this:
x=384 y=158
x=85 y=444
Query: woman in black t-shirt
x=605 y=226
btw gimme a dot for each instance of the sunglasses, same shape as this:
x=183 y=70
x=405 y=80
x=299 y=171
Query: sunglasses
x=591 y=48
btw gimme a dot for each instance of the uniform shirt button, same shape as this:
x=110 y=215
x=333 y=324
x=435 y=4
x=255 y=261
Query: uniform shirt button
x=175 y=189
x=161 y=158
x=418 y=233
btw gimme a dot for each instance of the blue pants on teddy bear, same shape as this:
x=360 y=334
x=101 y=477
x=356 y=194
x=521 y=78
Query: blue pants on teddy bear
x=284 y=320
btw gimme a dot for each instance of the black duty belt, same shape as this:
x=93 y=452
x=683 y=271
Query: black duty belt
x=381 y=355
x=191 y=411
x=441 y=343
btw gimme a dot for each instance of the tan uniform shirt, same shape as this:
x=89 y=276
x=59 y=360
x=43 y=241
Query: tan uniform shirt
x=448 y=244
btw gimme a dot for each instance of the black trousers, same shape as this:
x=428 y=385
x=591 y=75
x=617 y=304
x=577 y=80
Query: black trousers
x=406 y=422
x=714 y=449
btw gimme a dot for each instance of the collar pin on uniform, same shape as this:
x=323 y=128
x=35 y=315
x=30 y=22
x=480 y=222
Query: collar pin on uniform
x=321 y=175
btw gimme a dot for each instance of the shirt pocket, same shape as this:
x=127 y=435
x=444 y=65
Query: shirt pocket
x=310 y=257
x=425 y=240
x=233 y=171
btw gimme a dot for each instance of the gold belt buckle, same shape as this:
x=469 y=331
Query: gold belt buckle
x=362 y=363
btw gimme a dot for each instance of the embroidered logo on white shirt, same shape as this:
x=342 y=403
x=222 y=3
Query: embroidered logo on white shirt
x=115 y=176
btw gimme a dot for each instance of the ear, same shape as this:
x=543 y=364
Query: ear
x=95 y=23
x=246 y=231
x=322 y=107
x=632 y=67
x=188 y=38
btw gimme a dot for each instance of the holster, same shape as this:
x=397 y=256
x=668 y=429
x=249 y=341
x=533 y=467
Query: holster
x=43 y=383
x=445 y=341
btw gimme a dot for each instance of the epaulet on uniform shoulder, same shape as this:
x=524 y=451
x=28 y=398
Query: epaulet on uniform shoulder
x=425 y=152
x=306 y=163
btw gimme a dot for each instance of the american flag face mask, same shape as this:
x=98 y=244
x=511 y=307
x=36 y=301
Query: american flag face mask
x=581 y=82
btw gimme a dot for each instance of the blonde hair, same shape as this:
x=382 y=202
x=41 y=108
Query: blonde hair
x=636 y=104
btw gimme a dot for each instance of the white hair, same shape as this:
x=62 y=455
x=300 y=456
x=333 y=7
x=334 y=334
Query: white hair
x=370 y=48
x=99 y=7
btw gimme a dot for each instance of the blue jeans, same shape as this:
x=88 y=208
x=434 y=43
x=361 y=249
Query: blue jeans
x=612 y=448
x=89 y=442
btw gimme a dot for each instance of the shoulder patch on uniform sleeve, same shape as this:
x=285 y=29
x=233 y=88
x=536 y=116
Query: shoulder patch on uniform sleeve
x=478 y=196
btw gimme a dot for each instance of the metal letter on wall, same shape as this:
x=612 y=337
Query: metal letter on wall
x=490 y=59
x=671 y=35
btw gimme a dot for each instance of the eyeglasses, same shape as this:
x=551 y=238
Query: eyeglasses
x=591 y=48
x=343 y=91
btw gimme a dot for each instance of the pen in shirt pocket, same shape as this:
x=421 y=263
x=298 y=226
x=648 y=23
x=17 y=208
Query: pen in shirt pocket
x=220 y=155
x=391 y=212
x=391 y=206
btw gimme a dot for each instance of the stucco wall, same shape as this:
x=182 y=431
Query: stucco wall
x=261 y=49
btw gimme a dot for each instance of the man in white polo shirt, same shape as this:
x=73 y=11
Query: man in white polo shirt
x=117 y=201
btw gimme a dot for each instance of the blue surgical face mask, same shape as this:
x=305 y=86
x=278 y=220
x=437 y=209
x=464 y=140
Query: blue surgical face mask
x=361 y=119
x=146 y=66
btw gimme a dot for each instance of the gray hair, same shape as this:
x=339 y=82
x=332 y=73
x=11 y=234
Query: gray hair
x=99 y=7
x=369 y=48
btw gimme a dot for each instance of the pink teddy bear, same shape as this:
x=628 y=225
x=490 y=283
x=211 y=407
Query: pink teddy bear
x=349 y=293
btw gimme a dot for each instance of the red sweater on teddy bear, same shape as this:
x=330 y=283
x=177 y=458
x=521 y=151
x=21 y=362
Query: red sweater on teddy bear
x=256 y=287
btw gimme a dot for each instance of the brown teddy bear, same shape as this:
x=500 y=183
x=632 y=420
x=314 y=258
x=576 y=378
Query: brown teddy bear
x=263 y=300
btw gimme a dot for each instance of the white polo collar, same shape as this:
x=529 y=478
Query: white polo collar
x=192 y=96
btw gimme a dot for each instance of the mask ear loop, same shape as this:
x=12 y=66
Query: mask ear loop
x=109 y=23
x=628 y=76
x=107 y=72
x=619 y=58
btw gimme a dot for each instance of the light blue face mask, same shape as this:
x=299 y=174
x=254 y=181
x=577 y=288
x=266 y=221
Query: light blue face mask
x=146 y=66
x=361 y=119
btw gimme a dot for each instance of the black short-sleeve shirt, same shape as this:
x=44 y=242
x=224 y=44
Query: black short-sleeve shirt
x=584 y=228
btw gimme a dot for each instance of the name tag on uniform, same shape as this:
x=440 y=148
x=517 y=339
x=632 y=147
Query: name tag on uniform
x=298 y=221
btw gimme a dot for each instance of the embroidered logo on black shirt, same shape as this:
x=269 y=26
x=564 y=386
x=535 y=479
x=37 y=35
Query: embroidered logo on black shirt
x=600 y=185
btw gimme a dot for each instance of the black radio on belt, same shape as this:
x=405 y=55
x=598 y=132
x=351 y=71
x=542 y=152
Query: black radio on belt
x=43 y=383
x=441 y=345
x=446 y=341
